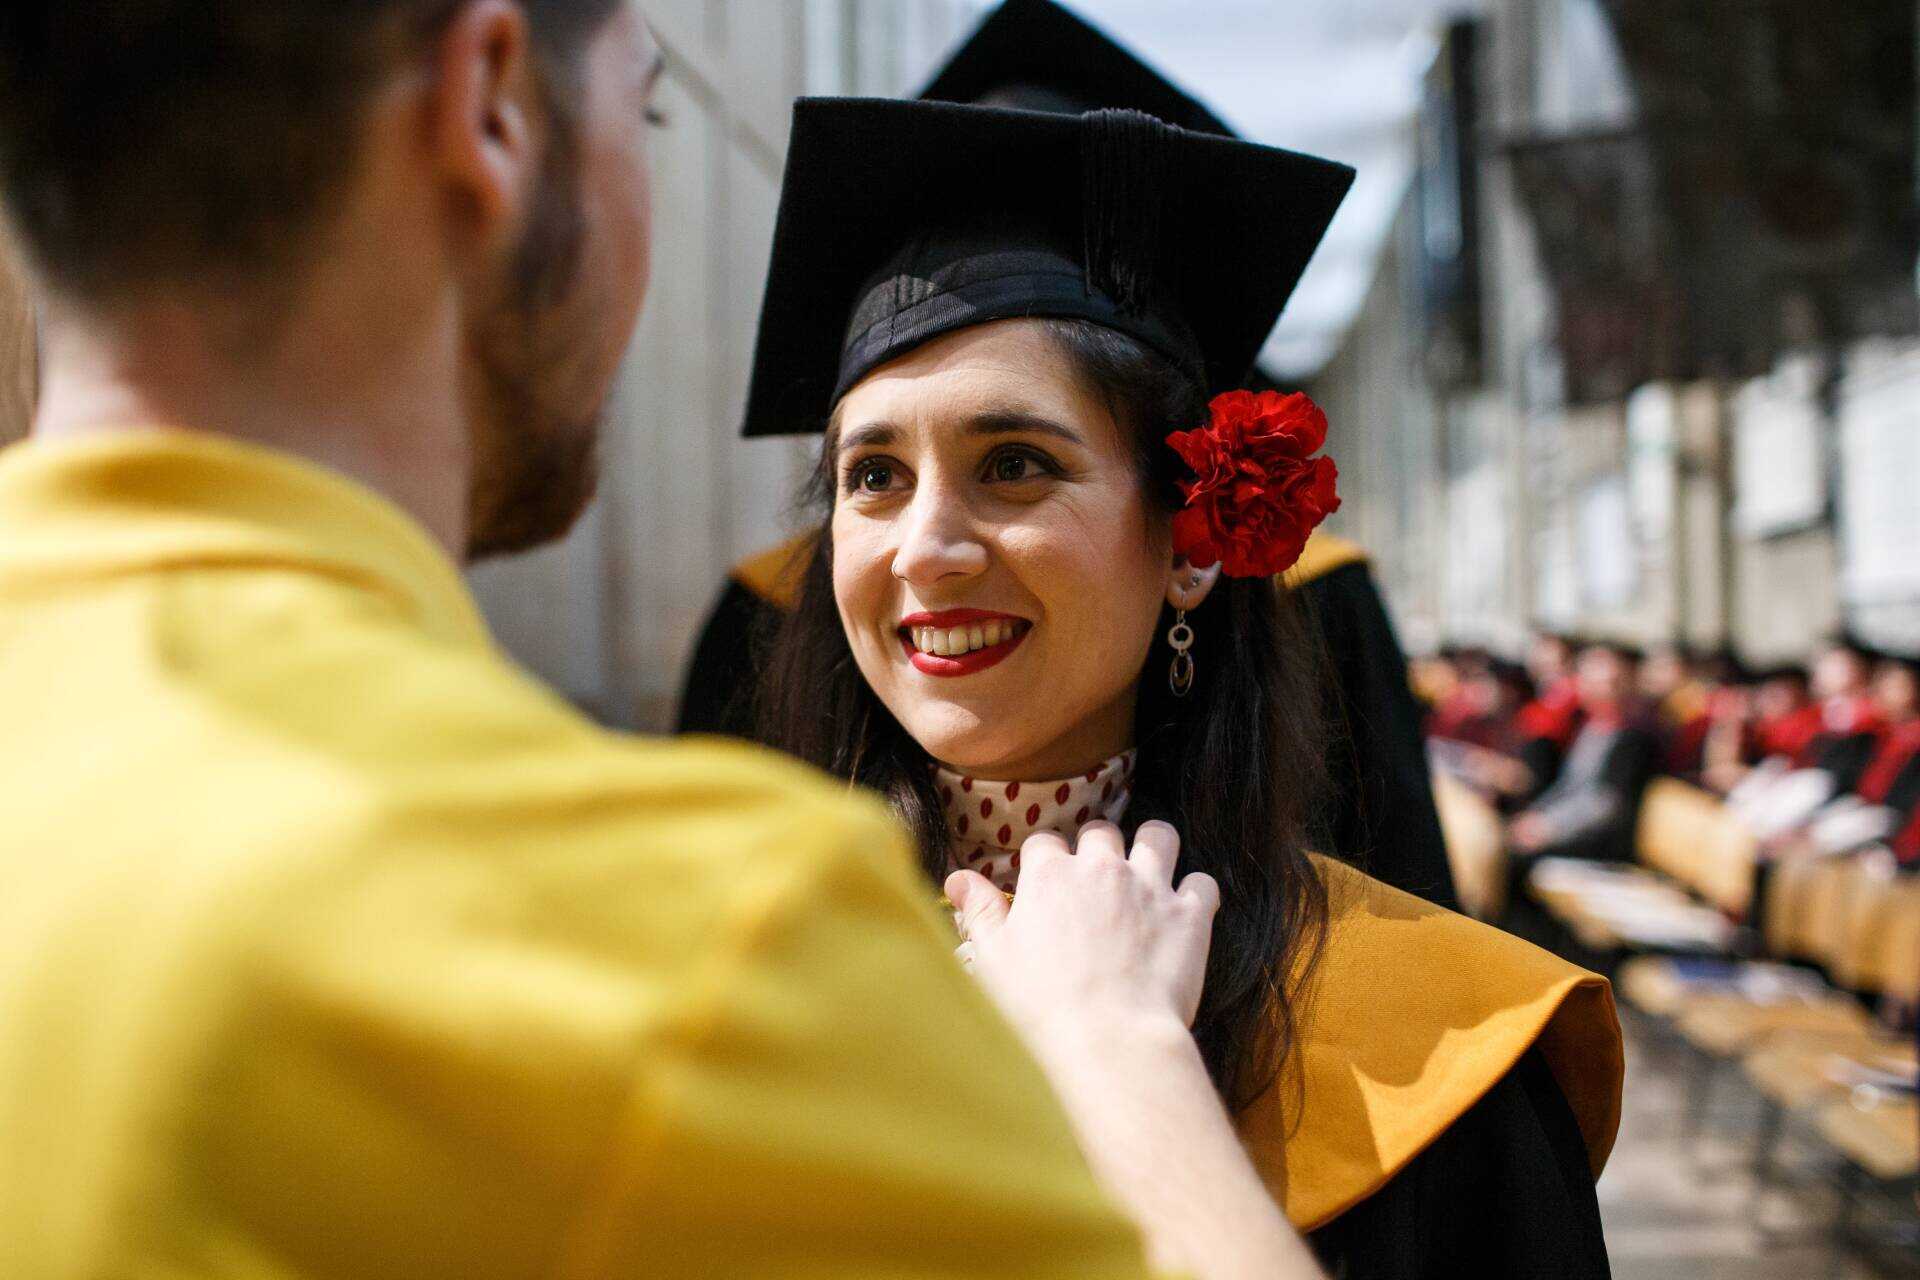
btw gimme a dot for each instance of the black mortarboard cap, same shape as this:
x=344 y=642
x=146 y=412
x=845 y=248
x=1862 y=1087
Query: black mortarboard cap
x=1037 y=56
x=903 y=221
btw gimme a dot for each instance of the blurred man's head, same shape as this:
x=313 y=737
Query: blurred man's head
x=1666 y=670
x=1896 y=690
x=1782 y=692
x=1549 y=658
x=1840 y=670
x=370 y=174
x=1606 y=674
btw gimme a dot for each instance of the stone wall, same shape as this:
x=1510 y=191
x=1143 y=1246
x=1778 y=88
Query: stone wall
x=19 y=351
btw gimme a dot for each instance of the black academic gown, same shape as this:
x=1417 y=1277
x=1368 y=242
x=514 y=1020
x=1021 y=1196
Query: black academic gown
x=1382 y=816
x=1844 y=756
x=1505 y=1193
x=1456 y=1093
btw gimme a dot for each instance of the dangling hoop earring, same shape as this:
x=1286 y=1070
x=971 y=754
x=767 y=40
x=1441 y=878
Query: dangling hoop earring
x=1180 y=675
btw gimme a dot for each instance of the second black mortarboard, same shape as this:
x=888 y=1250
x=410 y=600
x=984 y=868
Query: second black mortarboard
x=1035 y=55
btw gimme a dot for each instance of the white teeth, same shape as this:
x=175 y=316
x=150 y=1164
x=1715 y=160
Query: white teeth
x=952 y=642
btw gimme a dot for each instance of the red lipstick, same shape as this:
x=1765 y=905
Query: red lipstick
x=965 y=664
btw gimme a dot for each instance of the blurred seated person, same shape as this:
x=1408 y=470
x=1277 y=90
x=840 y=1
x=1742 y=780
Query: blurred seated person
x=1555 y=708
x=1541 y=731
x=1464 y=709
x=1669 y=686
x=1433 y=678
x=1723 y=681
x=1681 y=687
x=1592 y=808
x=1905 y=845
x=1887 y=798
x=1547 y=725
x=1785 y=790
x=1507 y=749
x=1772 y=714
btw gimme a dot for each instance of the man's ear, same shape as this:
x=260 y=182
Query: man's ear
x=1188 y=587
x=485 y=105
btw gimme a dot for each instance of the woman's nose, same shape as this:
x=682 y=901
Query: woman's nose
x=937 y=540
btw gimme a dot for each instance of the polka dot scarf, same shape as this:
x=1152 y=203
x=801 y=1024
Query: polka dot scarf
x=989 y=821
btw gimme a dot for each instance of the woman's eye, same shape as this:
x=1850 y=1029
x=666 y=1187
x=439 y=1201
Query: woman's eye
x=874 y=477
x=1013 y=467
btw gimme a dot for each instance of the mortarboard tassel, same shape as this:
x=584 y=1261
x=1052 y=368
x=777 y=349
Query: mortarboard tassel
x=1126 y=166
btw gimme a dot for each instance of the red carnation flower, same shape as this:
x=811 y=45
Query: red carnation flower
x=1258 y=492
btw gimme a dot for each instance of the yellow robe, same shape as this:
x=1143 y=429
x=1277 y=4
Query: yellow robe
x=1412 y=1015
x=332 y=946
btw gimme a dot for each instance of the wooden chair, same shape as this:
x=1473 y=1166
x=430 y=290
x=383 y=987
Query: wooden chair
x=1880 y=1135
x=1839 y=894
x=1800 y=1075
x=1877 y=950
x=1476 y=847
x=1689 y=834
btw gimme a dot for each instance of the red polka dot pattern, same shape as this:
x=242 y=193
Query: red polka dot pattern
x=1061 y=807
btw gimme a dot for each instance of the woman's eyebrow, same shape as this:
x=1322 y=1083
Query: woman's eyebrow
x=1001 y=422
x=866 y=436
x=988 y=422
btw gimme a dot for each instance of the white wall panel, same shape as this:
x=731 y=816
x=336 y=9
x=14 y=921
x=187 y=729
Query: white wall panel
x=765 y=60
x=1879 y=419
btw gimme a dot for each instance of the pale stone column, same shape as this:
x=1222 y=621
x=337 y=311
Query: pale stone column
x=19 y=350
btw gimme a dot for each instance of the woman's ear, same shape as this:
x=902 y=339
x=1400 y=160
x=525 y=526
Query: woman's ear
x=1188 y=587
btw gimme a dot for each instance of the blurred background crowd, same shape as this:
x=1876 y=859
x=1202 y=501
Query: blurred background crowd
x=1619 y=335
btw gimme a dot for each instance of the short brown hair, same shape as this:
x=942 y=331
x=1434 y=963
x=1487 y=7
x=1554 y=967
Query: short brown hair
x=146 y=141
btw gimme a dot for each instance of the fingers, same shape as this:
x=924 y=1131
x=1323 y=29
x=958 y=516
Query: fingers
x=1039 y=850
x=982 y=908
x=1099 y=840
x=1156 y=850
x=1203 y=891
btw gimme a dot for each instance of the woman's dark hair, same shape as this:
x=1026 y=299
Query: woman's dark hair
x=1235 y=767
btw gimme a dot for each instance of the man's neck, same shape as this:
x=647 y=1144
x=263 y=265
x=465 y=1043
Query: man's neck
x=393 y=422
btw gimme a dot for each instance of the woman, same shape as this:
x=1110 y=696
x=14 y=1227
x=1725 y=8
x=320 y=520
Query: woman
x=1042 y=596
x=1036 y=55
